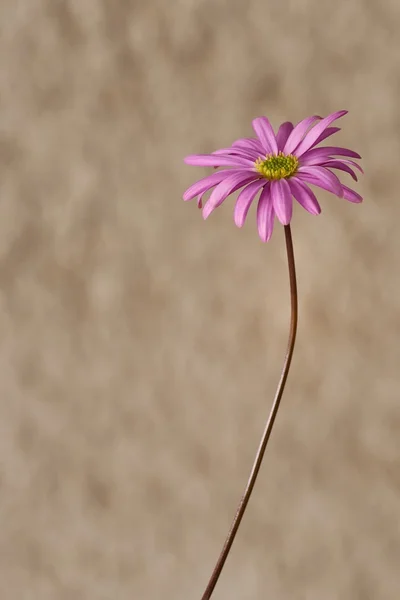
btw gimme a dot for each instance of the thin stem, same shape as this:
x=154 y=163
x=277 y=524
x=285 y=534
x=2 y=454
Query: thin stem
x=269 y=425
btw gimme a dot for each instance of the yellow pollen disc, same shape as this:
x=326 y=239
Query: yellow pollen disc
x=278 y=166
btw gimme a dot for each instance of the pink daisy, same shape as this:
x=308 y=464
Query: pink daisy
x=279 y=167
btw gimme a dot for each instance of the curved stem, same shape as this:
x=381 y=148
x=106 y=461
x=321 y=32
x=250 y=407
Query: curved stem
x=269 y=425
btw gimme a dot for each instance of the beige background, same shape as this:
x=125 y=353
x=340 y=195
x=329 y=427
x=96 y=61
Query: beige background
x=141 y=346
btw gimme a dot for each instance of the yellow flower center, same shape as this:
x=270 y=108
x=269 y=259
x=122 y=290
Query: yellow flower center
x=277 y=166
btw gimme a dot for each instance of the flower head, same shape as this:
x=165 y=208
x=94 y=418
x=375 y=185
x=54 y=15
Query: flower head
x=279 y=167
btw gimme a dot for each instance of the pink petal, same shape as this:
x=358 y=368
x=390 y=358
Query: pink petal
x=351 y=195
x=297 y=134
x=211 y=160
x=325 y=134
x=245 y=199
x=316 y=131
x=265 y=214
x=282 y=200
x=241 y=152
x=249 y=144
x=338 y=164
x=317 y=156
x=265 y=133
x=347 y=162
x=322 y=178
x=304 y=196
x=206 y=183
x=283 y=133
x=226 y=187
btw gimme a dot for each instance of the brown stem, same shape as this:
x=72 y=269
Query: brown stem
x=269 y=425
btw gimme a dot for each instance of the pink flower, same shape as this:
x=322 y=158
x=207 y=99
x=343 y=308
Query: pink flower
x=279 y=167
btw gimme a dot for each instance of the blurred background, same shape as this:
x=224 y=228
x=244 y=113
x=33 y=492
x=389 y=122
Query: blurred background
x=141 y=347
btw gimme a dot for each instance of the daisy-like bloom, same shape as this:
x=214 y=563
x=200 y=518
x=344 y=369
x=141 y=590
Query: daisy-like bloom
x=279 y=167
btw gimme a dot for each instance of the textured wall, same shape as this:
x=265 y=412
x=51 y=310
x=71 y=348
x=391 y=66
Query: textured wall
x=140 y=346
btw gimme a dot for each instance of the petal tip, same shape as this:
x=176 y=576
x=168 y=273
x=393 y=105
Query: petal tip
x=339 y=114
x=207 y=210
x=265 y=238
x=239 y=222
